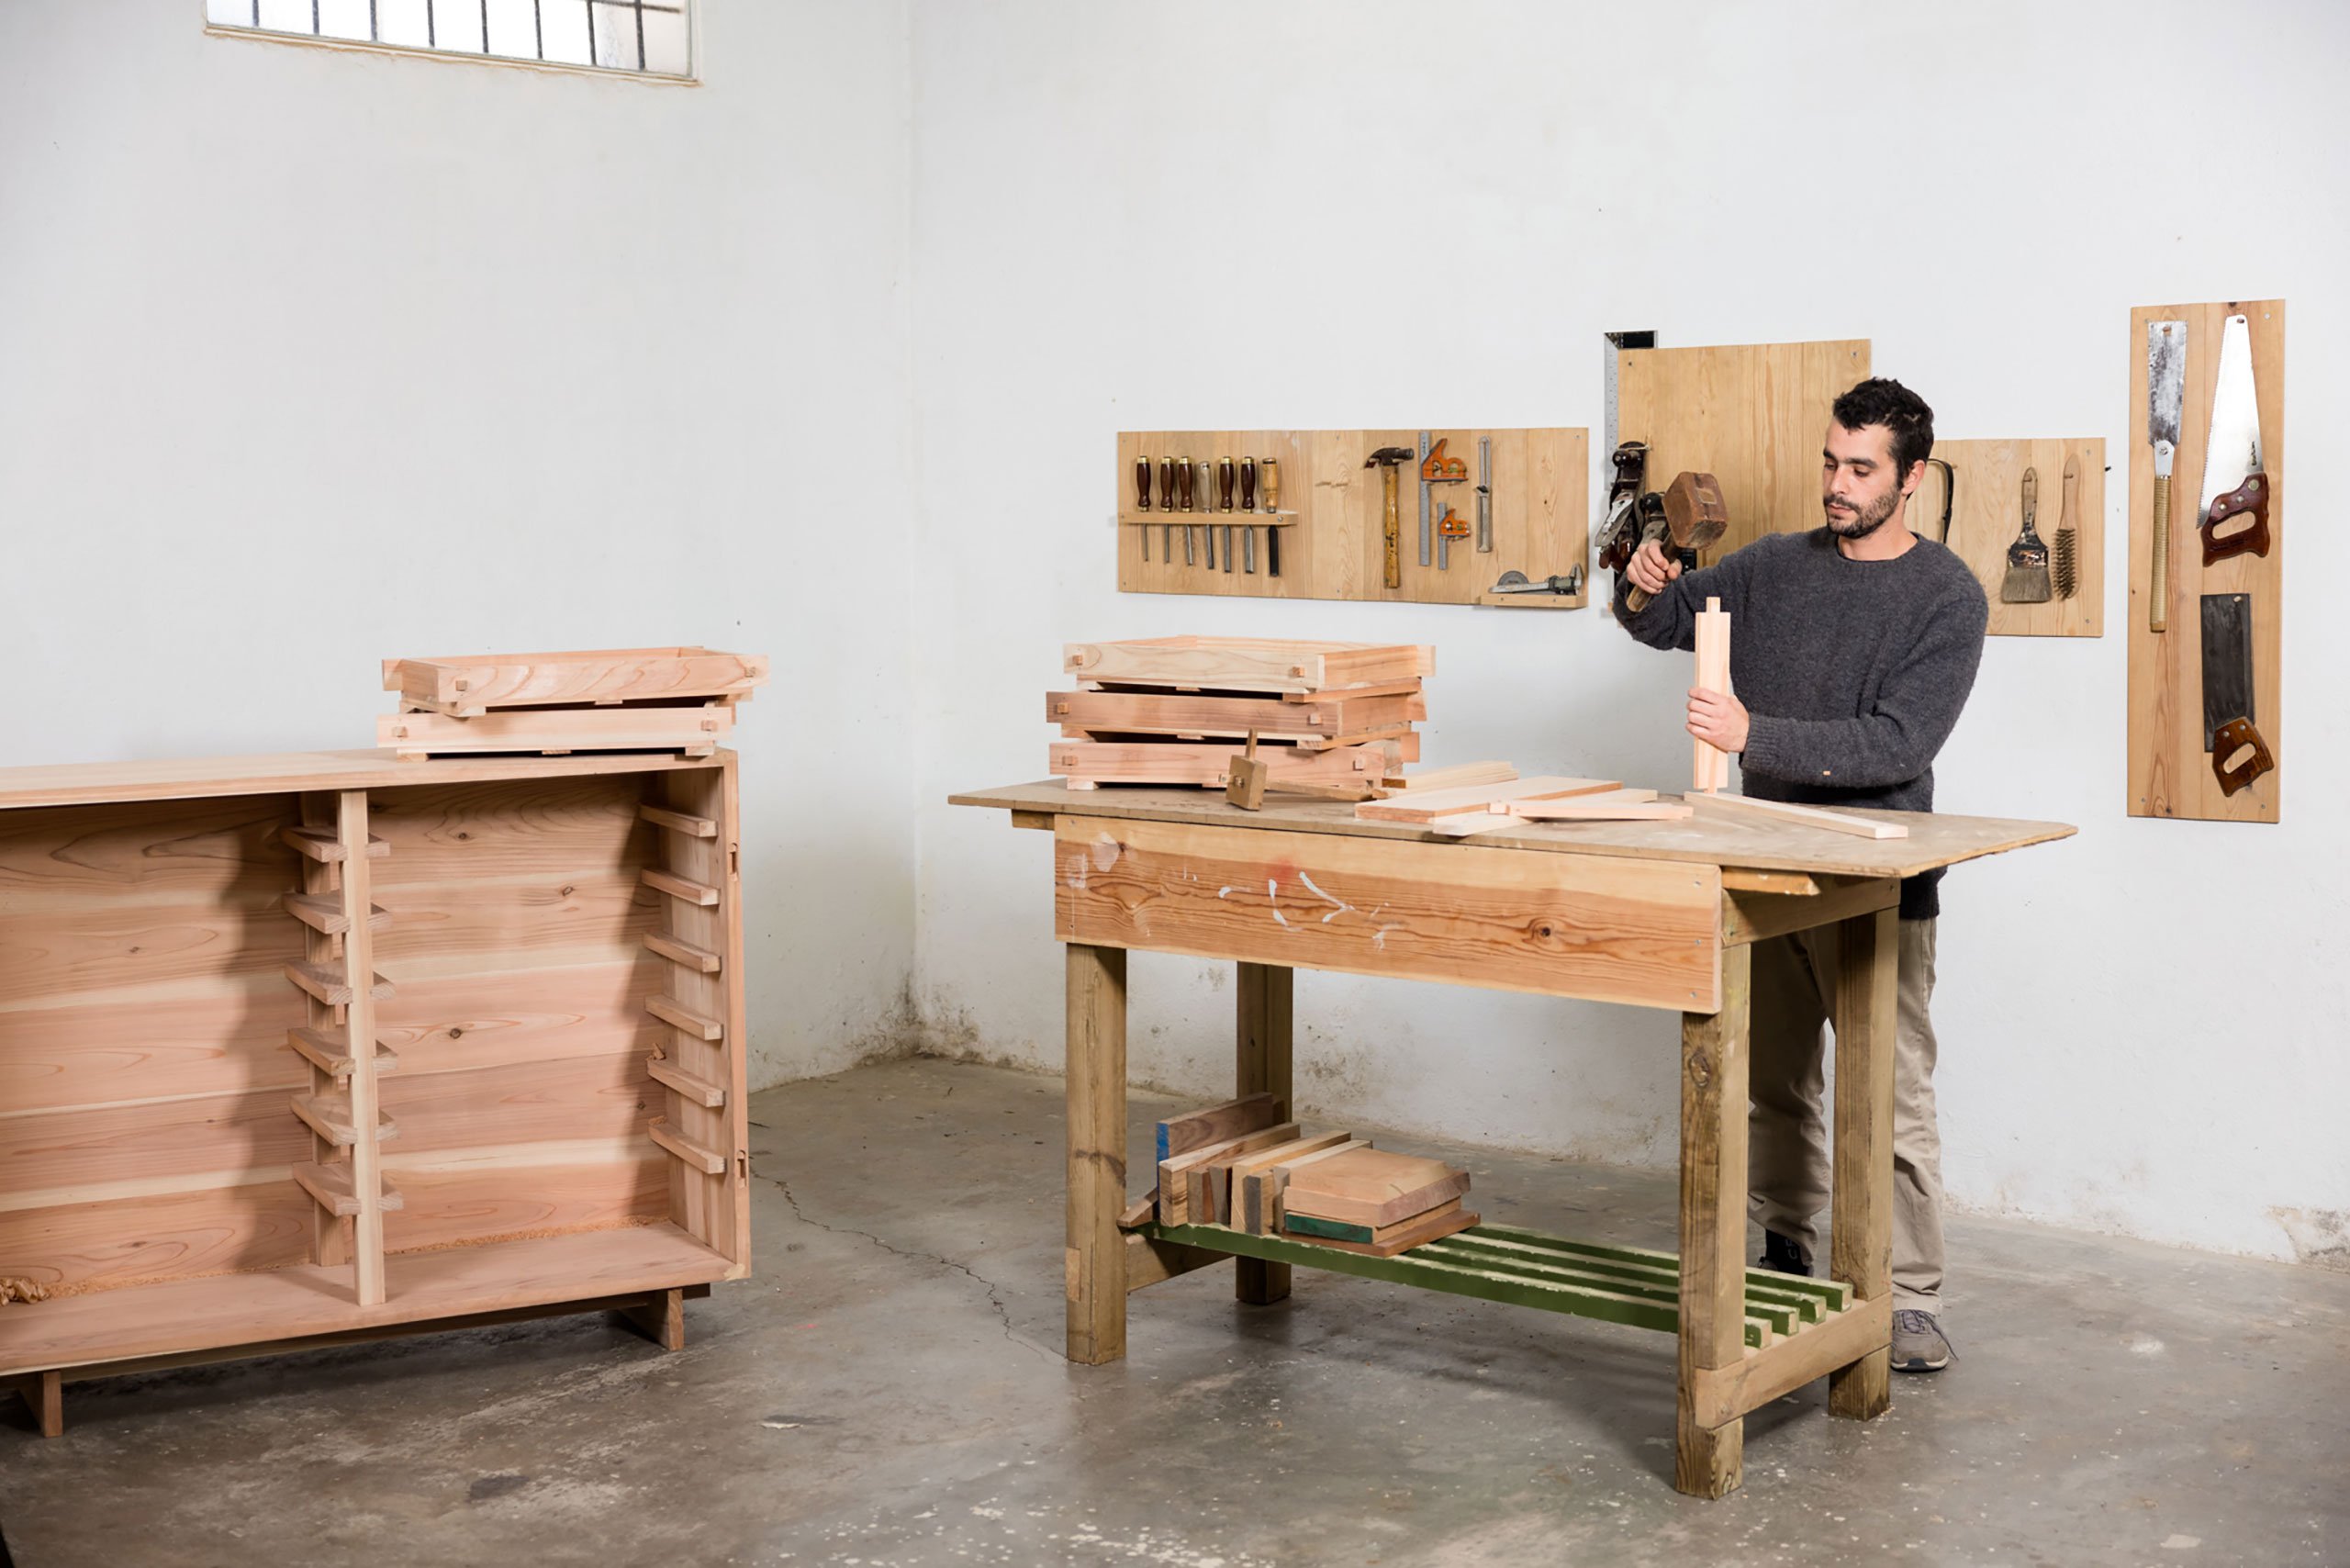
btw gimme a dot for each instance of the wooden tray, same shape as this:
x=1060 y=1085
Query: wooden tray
x=1245 y=663
x=469 y=686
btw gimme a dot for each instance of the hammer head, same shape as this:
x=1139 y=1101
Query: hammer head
x=1693 y=513
x=1388 y=456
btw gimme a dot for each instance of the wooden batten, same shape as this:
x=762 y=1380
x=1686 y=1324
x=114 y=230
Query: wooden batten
x=319 y=844
x=331 y=1117
x=701 y=960
x=677 y=822
x=330 y=986
x=678 y=886
x=709 y=1161
x=328 y=1050
x=698 y=1090
x=331 y=1186
x=669 y=1010
x=323 y=912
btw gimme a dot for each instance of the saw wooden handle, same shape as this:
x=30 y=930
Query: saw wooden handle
x=2229 y=741
x=2158 y=582
x=2247 y=499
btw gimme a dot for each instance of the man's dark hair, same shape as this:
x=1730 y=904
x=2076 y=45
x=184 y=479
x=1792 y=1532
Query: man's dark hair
x=1881 y=400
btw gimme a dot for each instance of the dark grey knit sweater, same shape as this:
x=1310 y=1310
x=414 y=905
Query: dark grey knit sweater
x=1853 y=672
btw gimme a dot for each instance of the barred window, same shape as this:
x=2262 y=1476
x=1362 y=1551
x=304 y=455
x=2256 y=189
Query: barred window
x=646 y=37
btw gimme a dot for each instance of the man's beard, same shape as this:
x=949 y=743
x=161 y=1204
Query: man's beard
x=1863 y=522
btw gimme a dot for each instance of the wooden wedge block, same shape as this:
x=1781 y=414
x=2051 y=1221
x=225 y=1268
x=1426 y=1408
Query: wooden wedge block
x=1403 y=1237
x=1140 y=1212
x=1216 y=1123
x=1413 y=806
x=1748 y=807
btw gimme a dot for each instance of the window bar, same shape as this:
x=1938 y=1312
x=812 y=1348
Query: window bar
x=639 y=32
x=315 y=29
x=538 y=30
x=432 y=24
x=485 y=26
x=373 y=35
x=591 y=7
x=256 y=13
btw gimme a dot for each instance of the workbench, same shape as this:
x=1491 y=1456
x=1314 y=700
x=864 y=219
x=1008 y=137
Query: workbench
x=301 y=1049
x=1649 y=914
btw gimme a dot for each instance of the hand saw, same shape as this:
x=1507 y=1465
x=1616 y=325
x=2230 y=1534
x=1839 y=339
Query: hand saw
x=2166 y=398
x=2235 y=485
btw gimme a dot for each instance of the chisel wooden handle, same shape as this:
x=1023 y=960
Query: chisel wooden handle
x=1224 y=483
x=1270 y=472
x=1182 y=486
x=1167 y=481
x=2158 y=583
x=1142 y=484
x=1248 y=484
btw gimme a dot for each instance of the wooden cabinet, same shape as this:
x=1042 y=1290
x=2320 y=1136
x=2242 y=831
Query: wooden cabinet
x=310 y=1047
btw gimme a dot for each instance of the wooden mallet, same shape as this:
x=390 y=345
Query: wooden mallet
x=1695 y=518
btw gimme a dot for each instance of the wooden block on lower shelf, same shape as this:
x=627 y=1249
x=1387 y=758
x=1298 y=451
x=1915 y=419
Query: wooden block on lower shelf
x=330 y=986
x=699 y=960
x=328 y=1050
x=260 y=1306
x=709 y=1161
x=329 y=1116
x=1216 y=1123
x=669 y=1010
x=1400 y=1238
x=696 y=1090
x=332 y=1187
x=679 y=888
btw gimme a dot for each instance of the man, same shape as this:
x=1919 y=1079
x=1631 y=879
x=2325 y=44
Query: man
x=1855 y=645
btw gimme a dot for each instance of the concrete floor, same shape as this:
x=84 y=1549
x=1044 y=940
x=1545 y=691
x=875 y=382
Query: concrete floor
x=889 y=1390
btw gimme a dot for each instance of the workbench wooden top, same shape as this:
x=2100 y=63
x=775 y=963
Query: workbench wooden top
x=1935 y=839
x=179 y=778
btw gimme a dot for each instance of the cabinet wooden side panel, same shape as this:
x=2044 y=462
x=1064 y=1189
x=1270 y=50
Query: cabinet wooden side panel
x=1639 y=932
x=714 y=1209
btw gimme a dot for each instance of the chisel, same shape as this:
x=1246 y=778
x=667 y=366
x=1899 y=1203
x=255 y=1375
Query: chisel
x=1248 y=503
x=1272 y=475
x=1206 y=492
x=1166 y=497
x=1142 y=500
x=1183 y=489
x=1224 y=476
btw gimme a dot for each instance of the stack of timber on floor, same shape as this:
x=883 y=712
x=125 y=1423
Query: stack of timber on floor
x=313 y=1047
x=677 y=699
x=1178 y=710
x=1365 y=1200
x=1238 y=1166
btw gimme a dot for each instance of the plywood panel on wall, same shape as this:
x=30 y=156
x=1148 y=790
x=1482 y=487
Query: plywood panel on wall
x=2170 y=773
x=1987 y=516
x=1754 y=415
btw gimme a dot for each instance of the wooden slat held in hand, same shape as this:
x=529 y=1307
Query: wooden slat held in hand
x=1710 y=769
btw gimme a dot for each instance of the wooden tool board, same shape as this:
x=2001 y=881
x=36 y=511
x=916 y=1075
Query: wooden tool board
x=1750 y=414
x=1987 y=516
x=1334 y=508
x=2170 y=773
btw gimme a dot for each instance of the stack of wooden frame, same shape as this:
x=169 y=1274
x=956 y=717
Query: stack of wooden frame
x=1244 y=1166
x=322 y=1047
x=677 y=699
x=1178 y=710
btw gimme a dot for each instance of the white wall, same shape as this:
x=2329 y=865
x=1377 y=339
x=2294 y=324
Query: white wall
x=1340 y=213
x=307 y=357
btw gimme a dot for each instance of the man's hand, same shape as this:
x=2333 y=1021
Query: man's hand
x=1717 y=720
x=1650 y=568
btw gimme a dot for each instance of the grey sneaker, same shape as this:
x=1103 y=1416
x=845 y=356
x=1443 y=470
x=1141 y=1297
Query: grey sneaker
x=1918 y=1343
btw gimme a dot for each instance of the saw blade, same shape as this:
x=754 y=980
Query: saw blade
x=2233 y=454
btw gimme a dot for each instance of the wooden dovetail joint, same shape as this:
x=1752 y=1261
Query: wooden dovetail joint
x=332 y=1187
x=330 y=986
x=322 y=913
x=321 y=844
x=679 y=888
x=695 y=1089
x=709 y=1161
x=679 y=822
x=329 y=1051
x=670 y=1011
x=329 y=1116
x=699 y=960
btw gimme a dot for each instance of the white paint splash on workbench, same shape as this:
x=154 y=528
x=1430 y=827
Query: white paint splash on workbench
x=1273 y=892
x=1343 y=905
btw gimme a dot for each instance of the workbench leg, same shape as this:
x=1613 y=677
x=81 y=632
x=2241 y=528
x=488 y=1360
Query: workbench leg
x=44 y=1395
x=1097 y=1153
x=661 y=1319
x=1267 y=995
x=1861 y=1227
x=1708 y=1461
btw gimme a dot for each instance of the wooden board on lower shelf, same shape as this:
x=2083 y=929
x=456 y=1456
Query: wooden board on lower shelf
x=285 y=1304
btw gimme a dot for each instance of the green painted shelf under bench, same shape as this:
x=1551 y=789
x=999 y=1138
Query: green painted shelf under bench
x=1526 y=1268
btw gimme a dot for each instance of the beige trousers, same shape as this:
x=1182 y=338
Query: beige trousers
x=1795 y=992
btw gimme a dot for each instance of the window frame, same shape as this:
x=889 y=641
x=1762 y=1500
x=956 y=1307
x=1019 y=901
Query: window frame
x=692 y=9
